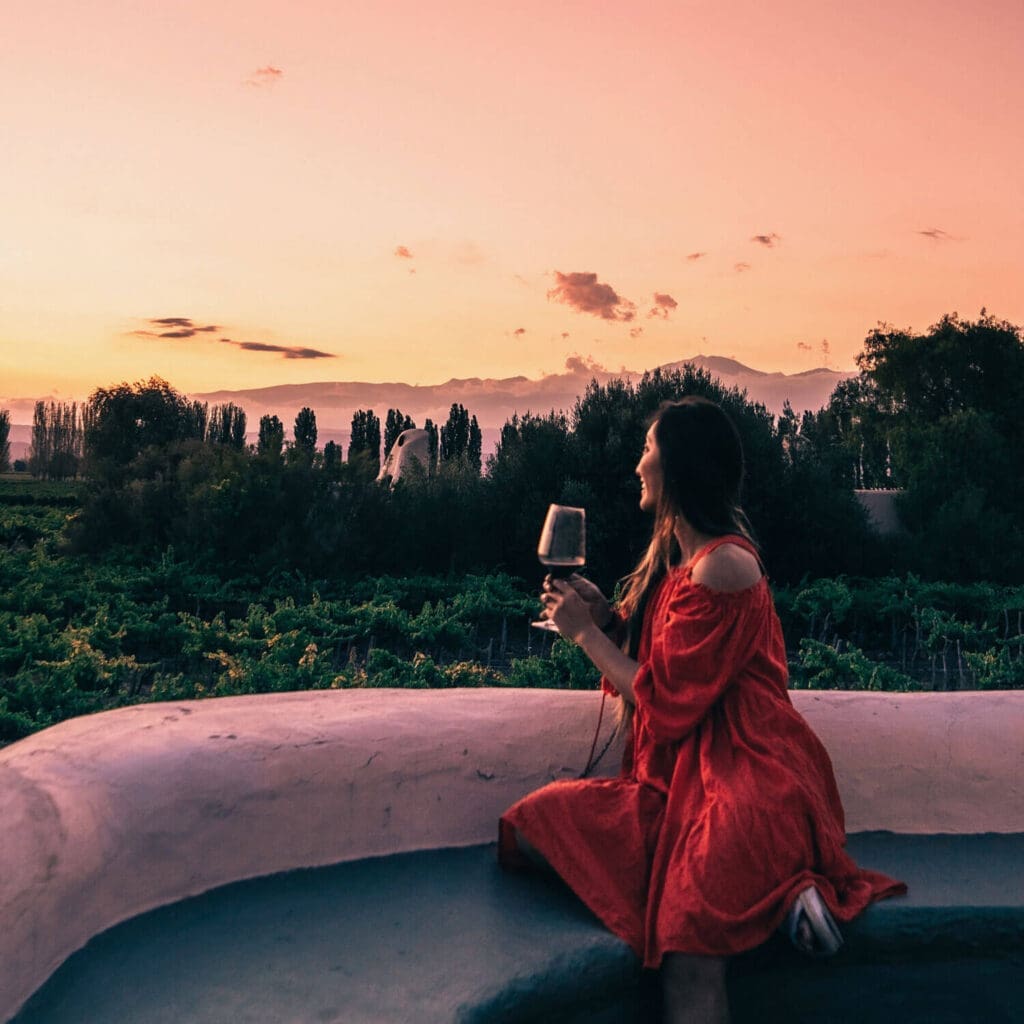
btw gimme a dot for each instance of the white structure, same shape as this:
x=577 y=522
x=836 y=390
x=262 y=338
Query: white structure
x=409 y=446
x=880 y=505
x=110 y=815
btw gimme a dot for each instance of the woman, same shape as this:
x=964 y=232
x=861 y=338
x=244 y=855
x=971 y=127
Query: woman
x=725 y=820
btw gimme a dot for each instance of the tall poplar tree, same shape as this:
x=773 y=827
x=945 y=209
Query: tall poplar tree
x=395 y=422
x=271 y=436
x=5 y=442
x=364 y=443
x=305 y=431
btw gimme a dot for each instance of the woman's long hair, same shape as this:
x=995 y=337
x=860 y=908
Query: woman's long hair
x=702 y=471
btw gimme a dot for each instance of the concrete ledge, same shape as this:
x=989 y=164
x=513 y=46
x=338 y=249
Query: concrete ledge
x=442 y=936
x=109 y=816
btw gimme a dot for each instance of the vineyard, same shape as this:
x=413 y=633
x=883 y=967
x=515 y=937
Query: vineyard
x=81 y=634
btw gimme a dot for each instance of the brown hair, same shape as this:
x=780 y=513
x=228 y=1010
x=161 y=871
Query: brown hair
x=702 y=466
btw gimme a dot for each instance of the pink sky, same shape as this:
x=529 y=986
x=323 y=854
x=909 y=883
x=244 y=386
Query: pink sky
x=421 y=190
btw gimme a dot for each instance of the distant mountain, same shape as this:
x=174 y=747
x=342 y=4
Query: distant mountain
x=21 y=439
x=493 y=401
x=809 y=389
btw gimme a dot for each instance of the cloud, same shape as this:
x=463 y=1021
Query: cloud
x=586 y=365
x=403 y=252
x=937 y=235
x=583 y=292
x=663 y=306
x=264 y=77
x=288 y=351
x=635 y=332
x=182 y=327
x=185 y=327
x=769 y=241
x=740 y=267
x=693 y=256
x=803 y=346
x=519 y=332
x=565 y=335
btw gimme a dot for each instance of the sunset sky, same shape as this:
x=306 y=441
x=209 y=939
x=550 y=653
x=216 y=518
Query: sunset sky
x=238 y=195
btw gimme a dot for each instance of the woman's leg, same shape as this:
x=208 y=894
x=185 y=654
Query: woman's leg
x=693 y=989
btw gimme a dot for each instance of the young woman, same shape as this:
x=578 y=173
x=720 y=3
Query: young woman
x=725 y=820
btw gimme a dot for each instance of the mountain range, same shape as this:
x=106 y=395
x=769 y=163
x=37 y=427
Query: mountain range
x=491 y=400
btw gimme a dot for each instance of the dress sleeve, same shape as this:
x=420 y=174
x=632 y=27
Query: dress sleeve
x=696 y=650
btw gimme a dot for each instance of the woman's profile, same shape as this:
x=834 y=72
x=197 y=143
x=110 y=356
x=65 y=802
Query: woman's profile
x=725 y=822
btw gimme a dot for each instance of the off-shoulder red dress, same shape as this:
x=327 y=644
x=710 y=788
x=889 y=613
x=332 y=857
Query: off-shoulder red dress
x=726 y=807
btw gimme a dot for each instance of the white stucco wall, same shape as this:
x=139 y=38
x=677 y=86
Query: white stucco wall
x=104 y=817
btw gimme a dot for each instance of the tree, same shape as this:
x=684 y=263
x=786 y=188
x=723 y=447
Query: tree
x=954 y=366
x=332 y=460
x=364 y=443
x=227 y=425
x=122 y=421
x=270 y=441
x=394 y=424
x=527 y=472
x=305 y=432
x=432 y=444
x=461 y=440
x=197 y=418
x=56 y=447
x=5 y=443
x=949 y=403
x=474 y=448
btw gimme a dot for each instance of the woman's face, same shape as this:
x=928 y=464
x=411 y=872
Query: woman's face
x=650 y=473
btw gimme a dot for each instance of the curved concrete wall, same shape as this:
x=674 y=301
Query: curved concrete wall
x=111 y=815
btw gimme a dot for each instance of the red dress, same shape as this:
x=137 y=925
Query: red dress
x=726 y=806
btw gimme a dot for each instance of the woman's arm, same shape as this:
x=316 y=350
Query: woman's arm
x=573 y=617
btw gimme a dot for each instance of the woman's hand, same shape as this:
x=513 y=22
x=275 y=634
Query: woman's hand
x=579 y=610
x=564 y=606
x=600 y=608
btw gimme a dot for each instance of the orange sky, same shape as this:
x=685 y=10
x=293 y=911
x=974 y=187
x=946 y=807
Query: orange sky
x=261 y=169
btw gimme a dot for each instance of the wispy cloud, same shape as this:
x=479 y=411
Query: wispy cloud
x=694 y=256
x=583 y=292
x=769 y=241
x=635 y=332
x=174 y=327
x=663 y=306
x=565 y=335
x=264 y=77
x=178 y=327
x=519 y=332
x=937 y=235
x=803 y=346
x=741 y=267
x=403 y=252
x=288 y=351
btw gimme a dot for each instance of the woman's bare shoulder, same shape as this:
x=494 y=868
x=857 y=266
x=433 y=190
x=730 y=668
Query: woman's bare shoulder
x=728 y=568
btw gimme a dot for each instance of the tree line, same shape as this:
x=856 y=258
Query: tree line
x=118 y=421
x=933 y=414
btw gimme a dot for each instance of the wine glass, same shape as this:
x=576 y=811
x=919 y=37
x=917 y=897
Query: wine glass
x=562 y=547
